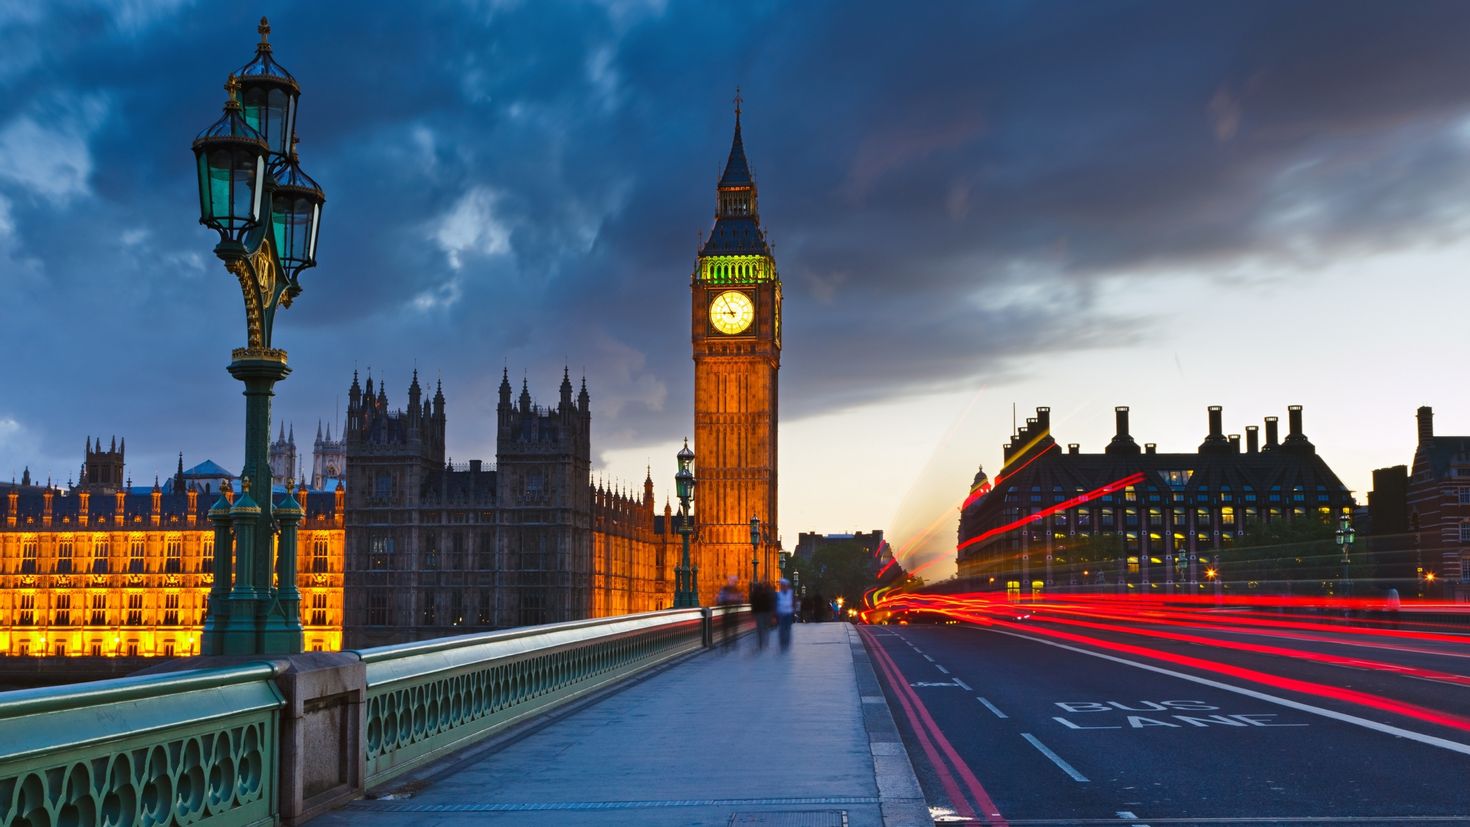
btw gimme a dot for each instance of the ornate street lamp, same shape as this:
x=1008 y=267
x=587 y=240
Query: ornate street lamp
x=755 y=540
x=1344 y=537
x=685 y=594
x=267 y=212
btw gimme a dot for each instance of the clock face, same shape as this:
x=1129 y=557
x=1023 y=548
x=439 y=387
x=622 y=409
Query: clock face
x=731 y=312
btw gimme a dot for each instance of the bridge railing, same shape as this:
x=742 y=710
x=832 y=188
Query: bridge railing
x=427 y=699
x=190 y=747
x=280 y=742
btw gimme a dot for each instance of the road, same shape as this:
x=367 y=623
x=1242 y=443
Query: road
x=1063 y=718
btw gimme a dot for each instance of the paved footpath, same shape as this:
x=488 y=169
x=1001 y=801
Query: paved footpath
x=720 y=738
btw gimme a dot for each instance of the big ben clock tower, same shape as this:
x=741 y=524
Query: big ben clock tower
x=736 y=335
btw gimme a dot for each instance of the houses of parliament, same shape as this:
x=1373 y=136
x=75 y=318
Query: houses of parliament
x=399 y=542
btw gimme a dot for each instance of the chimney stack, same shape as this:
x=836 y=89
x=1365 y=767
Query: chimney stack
x=1073 y=447
x=1235 y=443
x=1426 y=424
x=1271 y=442
x=1252 y=439
x=1215 y=442
x=1043 y=418
x=1122 y=443
x=1150 y=448
x=1295 y=438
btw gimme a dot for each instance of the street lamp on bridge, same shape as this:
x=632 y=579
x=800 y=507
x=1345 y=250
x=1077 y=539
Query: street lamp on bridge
x=267 y=211
x=755 y=539
x=685 y=595
x=1345 y=536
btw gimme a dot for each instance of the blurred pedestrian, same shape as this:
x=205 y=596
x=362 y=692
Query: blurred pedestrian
x=762 y=604
x=785 y=613
x=729 y=598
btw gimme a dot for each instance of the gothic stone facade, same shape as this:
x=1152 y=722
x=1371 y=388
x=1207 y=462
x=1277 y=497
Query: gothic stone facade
x=437 y=548
x=101 y=570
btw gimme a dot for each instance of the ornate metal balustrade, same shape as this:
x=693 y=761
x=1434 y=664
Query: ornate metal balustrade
x=206 y=746
x=188 y=748
x=427 y=699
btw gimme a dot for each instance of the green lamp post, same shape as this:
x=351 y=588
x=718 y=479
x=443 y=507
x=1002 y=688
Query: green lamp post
x=755 y=560
x=686 y=596
x=1345 y=535
x=267 y=212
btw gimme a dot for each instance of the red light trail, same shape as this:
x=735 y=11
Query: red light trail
x=1122 y=615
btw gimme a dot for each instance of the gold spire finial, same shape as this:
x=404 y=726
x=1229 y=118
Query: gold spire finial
x=265 y=34
x=245 y=485
x=738 y=100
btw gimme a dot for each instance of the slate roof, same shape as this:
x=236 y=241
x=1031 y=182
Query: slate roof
x=208 y=468
x=1444 y=450
x=736 y=235
x=737 y=169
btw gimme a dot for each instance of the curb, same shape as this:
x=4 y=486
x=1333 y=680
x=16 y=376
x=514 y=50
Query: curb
x=902 y=800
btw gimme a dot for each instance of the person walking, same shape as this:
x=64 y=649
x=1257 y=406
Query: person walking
x=785 y=613
x=762 y=604
x=728 y=598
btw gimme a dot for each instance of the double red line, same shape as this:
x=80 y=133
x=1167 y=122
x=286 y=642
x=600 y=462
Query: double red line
x=954 y=774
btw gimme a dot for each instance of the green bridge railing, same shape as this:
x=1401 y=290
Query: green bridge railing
x=227 y=746
x=188 y=748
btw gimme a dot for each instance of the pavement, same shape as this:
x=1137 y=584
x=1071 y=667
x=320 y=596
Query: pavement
x=800 y=738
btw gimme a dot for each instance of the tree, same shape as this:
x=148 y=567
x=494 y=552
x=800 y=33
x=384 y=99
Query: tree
x=841 y=569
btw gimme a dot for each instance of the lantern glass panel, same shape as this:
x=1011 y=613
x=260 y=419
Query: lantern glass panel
x=268 y=110
x=256 y=190
x=316 y=223
x=292 y=218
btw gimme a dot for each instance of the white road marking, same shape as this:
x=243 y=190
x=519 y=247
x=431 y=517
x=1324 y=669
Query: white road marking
x=1055 y=759
x=941 y=668
x=963 y=685
x=1431 y=740
x=1127 y=815
x=926 y=657
x=992 y=707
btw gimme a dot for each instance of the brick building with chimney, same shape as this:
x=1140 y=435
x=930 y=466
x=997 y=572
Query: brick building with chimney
x=1179 y=515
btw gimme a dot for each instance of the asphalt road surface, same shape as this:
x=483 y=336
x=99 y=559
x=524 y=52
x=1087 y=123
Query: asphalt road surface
x=1013 y=724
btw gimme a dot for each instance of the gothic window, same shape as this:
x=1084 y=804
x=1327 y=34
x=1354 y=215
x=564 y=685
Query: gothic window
x=206 y=556
x=173 y=561
x=135 y=609
x=27 y=615
x=171 y=609
x=377 y=607
x=1227 y=517
x=431 y=550
x=136 y=555
x=63 y=610
x=28 y=554
x=486 y=610
x=430 y=608
x=63 y=555
x=456 y=608
x=383 y=485
x=99 y=610
x=319 y=555
x=319 y=609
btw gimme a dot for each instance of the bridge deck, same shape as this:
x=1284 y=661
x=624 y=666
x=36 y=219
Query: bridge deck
x=719 y=738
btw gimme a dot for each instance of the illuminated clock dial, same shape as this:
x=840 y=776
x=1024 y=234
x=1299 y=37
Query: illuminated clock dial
x=731 y=312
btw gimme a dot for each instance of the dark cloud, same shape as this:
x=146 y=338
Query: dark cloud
x=523 y=184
